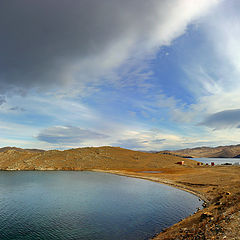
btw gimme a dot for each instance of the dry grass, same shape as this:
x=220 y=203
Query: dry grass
x=88 y=158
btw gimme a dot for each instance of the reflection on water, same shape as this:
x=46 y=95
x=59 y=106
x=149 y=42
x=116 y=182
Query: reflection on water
x=87 y=205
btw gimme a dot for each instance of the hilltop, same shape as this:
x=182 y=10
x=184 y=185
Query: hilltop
x=232 y=151
x=104 y=158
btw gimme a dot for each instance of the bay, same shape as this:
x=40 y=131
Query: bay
x=87 y=205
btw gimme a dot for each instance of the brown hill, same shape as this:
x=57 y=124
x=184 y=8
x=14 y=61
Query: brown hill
x=88 y=158
x=215 y=152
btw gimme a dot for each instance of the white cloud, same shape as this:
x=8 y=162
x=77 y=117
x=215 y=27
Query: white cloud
x=214 y=81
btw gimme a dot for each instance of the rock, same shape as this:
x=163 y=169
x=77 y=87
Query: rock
x=204 y=204
x=206 y=215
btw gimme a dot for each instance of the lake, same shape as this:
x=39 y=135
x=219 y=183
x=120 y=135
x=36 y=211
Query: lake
x=87 y=205
x=218 y=161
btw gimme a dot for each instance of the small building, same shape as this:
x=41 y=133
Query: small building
x=180 y=163
x=212 y=164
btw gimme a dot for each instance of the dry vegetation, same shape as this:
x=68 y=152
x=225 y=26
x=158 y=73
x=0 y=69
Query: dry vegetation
x=86 y=158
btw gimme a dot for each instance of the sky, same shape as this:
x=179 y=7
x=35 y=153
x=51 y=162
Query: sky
x=143 y=75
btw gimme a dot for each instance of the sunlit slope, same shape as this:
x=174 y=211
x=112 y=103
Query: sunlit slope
x=88 y=158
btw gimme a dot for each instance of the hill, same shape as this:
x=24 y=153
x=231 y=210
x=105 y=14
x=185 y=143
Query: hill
x=104 y=158
x=232 y=151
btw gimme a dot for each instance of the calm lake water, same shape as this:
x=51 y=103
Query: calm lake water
x=87 y=205
x=218 y=161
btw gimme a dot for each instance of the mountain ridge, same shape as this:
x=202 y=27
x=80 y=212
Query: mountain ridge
x=229 y=151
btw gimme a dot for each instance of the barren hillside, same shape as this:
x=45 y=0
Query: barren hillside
x=87 y=158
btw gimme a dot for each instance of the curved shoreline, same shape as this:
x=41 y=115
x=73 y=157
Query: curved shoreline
x=152 y=179
x=221 y=204
x=221 y=196
x=129 y=175
x=157 y=180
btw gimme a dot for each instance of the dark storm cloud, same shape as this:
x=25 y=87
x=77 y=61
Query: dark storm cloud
x=42 y=41
x=68 y=135
x=48 y=42
x=223 y=119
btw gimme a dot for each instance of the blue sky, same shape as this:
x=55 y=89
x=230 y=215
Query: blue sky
x=142 y=75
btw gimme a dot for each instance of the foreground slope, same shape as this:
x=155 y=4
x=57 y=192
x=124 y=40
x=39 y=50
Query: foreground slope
x=87 y=158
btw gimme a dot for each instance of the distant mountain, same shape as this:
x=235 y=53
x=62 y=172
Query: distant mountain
x=4 y=149
x=232 y=151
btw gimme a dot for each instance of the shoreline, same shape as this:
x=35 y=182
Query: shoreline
x=221 y=207
x=217 y=186
x=147 y=178
x=172 y=184
x=157 y=180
